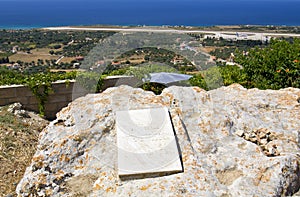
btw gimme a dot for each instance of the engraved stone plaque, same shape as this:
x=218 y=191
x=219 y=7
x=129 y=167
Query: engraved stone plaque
x=146 y=142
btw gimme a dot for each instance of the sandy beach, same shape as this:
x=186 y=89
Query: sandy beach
x=217 y=34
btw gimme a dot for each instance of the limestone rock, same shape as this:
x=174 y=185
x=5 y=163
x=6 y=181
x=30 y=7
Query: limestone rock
x=16 y=109
x=233 y=142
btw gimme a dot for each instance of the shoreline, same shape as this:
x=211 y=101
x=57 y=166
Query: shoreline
x=253 y=32
x=24 y=27
x=221 y=33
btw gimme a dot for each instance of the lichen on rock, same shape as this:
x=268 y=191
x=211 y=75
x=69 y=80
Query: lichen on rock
x=227 y=139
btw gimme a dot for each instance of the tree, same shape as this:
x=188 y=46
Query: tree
x=232 y=74
x=274 y=67
x=57 y=46
x=198 y=80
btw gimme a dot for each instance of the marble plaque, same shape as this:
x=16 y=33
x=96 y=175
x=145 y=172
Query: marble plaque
x=146 y=142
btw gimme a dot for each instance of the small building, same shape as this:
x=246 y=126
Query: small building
x=14 y=66
x=100 y=62
x=15 y=49
x=116 y=63
x=231 y=58
x=212 y=58
x=76 y=65
x=241 y=35
x=79 y=58
x=177 y=60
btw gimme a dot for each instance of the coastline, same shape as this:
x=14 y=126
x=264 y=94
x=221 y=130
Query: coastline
x=253 y=32
x=21 y=27
x=251 y=35
x=25 y=15
x=195 y=27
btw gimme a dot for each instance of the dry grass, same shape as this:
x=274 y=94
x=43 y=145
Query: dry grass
x=66 y=70
x=136 y=59
x=40 y=53
x=43 y=51
x=18 y=140
x=68 y=59
x=31 y=57
x=208 y=49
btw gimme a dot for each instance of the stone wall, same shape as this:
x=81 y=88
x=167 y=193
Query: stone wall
x=62 y=94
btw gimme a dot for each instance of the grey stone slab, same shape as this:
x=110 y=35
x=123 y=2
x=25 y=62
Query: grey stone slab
x=146 y=142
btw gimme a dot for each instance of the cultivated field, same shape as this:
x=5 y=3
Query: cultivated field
x=42 y=53
x=35 y=54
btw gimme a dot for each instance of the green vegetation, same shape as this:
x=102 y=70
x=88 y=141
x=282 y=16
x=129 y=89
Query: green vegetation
x=39 y=83
x=153 y=87
x=151 y=54
x=253 y=28
x=230 y=43
x=274 y=67
x=9 y=77
x=198 y=80
x=232 y=74
x=216 y=77
x=269 y=67
x=226 y=47
x=27 y=40
x=142 y=72
x=4 y=60
x=31 y=48
x=90 y=81
x=272 y=28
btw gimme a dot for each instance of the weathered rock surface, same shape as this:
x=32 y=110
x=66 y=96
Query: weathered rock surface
x=233 y=141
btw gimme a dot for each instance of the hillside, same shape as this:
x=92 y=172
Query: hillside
x=19 y=131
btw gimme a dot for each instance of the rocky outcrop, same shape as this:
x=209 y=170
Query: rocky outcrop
x=233 y=142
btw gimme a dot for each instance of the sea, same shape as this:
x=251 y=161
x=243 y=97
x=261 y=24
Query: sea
x=26 y=14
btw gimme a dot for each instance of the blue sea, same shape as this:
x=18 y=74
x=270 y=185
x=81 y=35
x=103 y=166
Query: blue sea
x=44 y=13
